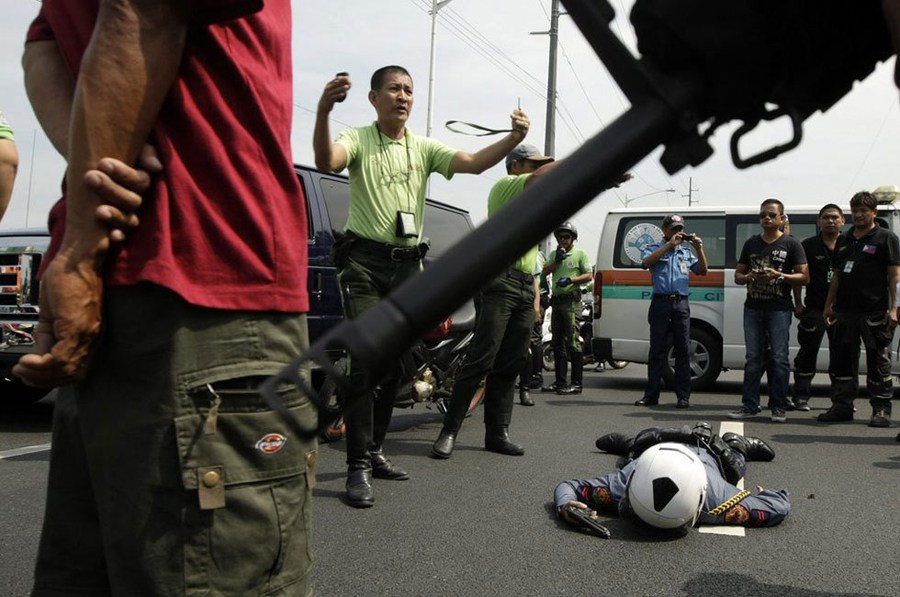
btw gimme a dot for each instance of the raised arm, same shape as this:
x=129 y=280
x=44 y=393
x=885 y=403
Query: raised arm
x=329 y=156
x=476 y=163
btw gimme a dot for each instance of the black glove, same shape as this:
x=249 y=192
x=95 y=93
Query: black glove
x=564 y=281
x=560 y=255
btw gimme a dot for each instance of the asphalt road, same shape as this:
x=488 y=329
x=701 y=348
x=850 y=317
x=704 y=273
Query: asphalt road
x=481 y=524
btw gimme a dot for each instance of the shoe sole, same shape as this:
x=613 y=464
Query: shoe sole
x=390 y=477
x=741 y=416
x=440 y=455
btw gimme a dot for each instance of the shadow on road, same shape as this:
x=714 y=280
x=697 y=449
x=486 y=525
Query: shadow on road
x=24 y=417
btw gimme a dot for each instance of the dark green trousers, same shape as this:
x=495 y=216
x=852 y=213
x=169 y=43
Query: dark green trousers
x=502 y=330
x=365 y=280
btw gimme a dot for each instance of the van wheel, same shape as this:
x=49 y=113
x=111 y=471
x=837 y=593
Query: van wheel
x=706 y=361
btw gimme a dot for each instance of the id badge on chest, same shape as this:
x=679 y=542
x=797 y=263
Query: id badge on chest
x=829 y=276
x=684 y=268
x=406 y=225
x=848 y=267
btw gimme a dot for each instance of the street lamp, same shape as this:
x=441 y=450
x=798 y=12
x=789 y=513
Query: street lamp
x=627 y=200
x=435 y=7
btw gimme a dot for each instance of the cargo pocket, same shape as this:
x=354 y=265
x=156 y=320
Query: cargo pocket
x=880 y=330
x=253 y=482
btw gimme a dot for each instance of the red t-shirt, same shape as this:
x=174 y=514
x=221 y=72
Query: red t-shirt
x=225 y=225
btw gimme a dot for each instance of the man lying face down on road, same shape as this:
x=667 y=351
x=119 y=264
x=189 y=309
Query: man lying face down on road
x=673 y=478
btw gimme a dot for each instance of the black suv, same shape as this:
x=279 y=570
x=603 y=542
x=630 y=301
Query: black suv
x=327 y=200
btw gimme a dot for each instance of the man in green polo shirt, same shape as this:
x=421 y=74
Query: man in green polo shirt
x=9 y=162
x=507 y=308
x=571 y=267
x=382 y=243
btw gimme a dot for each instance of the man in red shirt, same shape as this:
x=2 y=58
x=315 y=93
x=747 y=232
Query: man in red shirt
x=168 y=474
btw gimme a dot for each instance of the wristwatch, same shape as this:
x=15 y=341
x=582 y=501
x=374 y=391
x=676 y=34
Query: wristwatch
x=780 y=278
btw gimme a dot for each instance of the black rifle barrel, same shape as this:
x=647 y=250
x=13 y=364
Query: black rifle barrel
x=376 y=338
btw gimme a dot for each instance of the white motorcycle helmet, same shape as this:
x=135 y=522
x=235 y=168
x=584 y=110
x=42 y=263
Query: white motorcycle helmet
x=668 y=486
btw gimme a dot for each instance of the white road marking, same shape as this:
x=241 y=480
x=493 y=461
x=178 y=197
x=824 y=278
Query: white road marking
x=716 y=529
x=22 y=451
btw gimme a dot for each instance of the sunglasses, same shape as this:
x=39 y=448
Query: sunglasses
x=564 y=237
x=768 y=214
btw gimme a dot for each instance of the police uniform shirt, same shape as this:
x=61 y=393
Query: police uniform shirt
x=671 y=274
x=863 y=286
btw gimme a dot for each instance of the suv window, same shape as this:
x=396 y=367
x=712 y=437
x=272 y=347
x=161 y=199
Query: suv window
x=444 y=227
x=337 y=200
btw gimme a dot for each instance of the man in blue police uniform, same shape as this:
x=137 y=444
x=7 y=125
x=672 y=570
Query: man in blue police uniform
x=670 y=263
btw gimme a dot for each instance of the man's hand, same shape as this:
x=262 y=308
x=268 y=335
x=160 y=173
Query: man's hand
x=335 y=91
x=70 y=300
x=564 y=281
x=564 y=511
x=120 y=187
x=519 y=121
x=560 y=255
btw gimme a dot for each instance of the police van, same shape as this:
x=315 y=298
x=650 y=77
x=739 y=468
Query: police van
x=622 y=289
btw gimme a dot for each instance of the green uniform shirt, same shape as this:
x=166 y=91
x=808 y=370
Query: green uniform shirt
x=506 y=189
x=6 y=131
x=387 y=176
x=575 y=264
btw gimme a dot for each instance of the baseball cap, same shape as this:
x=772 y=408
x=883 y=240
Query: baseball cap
x=526 y=152
x=673 y=220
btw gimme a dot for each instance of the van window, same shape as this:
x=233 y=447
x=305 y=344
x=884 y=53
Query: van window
x=635 y=232
x=803 y=226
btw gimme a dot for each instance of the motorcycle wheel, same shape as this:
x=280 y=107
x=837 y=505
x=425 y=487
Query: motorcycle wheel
x=547 y=357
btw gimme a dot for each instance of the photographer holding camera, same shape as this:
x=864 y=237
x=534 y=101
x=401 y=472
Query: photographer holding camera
x=670 y=263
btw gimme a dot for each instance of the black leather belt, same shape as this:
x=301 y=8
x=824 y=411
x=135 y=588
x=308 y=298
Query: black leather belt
x=670 y=297
x=392 y=252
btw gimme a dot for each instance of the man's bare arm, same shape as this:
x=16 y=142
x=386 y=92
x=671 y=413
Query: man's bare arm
x=9 y=164
x=126 y=72
x=50 y=87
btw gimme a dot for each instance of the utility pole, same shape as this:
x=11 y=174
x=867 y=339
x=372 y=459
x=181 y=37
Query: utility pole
x=435 y=7
x=550 y=130
x=691 y=190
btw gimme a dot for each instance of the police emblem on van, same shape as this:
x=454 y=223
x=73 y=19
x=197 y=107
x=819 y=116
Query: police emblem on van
x=640 y=236
x=271 y=443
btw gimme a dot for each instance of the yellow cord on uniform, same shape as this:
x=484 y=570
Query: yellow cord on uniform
x=729 y=502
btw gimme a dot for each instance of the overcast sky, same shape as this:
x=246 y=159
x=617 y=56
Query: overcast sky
x=487 y=62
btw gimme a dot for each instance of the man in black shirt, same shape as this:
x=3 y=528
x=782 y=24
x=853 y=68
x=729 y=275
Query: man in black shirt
x=861 y=301
x=770 y=263
x=823 y=252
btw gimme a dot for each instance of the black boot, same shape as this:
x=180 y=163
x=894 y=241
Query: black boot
x=577 y=371
x=443 y=445
x=615 y=443
x=496 y=439
x=525 y=398
x=359 y=486
x=382 y=468
x=753 y=448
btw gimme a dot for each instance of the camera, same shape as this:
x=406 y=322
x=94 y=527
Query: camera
x=688 y=237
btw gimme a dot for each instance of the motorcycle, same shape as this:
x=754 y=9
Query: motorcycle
x=585 y=332
x=428 y=371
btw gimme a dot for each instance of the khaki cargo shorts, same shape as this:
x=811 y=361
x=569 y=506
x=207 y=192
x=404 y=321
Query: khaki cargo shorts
x=168 y=473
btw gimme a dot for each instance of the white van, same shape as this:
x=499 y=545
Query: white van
x=622 y=289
